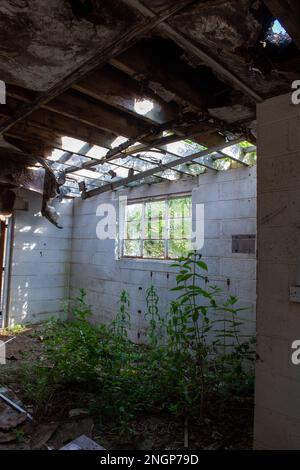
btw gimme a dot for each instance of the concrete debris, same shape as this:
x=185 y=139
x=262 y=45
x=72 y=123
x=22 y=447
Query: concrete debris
x=9 y=418
x=41 y=435
x=71 y=430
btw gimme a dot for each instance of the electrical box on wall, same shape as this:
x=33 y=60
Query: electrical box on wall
x=243 y=244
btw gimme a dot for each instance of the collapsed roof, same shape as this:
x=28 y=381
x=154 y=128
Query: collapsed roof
x=129 y=92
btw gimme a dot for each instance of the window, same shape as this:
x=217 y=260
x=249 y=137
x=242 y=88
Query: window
x=158 y=229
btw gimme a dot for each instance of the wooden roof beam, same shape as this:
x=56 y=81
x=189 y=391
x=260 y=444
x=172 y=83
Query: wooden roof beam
x=191 y=48
x=117 y=89
x=75 y=106
x=166 y=79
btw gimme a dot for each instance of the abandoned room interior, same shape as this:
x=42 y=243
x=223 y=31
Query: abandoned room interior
x=150 y=215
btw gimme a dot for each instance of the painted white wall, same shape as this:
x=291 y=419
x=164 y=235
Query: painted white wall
x=40 y=257
x=229 y=199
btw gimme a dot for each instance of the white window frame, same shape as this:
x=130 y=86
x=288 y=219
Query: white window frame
x=143 y=202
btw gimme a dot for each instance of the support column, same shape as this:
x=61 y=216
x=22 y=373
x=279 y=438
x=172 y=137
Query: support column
x=277 y=411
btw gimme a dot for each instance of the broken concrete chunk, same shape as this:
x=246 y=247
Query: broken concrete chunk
x=71 y=430
x=41 y=435
x=10 y=419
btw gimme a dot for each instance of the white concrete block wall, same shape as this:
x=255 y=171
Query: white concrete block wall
x=41 y=258
x=230 y=209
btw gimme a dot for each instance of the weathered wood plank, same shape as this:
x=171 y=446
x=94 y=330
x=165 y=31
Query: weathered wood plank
x=117 y=89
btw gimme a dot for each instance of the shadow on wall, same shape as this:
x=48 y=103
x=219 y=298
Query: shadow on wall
x=40 y=264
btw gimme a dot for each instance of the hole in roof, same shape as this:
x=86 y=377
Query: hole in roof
x=277 y=35
x=143 y=106
x=56 y=154
x=118 y=141
x=97 y=152
x=71 y=144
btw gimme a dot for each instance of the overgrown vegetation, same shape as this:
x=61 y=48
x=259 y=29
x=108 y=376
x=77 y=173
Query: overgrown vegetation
x=194 y=355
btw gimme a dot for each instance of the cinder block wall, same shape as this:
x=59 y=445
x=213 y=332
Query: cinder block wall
x=41 y=257
x=277 y=412
x=229 y=199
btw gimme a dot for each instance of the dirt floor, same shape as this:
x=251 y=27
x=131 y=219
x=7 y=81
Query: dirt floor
x=72 y=416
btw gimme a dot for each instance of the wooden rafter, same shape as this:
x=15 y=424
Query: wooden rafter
x=193 y=49
x=165 y=78
x=75 y=106
x=117 y=89
x=158 y=169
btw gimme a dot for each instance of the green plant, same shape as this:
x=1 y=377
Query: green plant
x=152 y=315
x=20 y=435
x=71 y=352
x=121 y=323
x=235 y=358
x=16 y=329
x=194 y=353
x=198 y=348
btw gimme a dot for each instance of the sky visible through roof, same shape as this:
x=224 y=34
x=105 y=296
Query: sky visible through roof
x=122 y=167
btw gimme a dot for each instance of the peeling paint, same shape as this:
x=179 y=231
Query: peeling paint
x=41 y=42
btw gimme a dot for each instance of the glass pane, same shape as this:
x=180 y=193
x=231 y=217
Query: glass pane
x=180 y=207
x=180 y=228
x=133 y=230
x=178 y=248
x=155 y=229
x=133 y=212
x=132 y=248
x=154 y=209
x=154 y=249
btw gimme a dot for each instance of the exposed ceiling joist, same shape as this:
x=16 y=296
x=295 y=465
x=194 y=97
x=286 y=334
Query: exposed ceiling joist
x=110 y=120
x=132 y=150
x=119 y=90
x=159 y=168
x=188 y=46
x=101 y=58
x=67 y=155
x=75 y=106
x=217 y=67
x=48 y=126
x=164 y=79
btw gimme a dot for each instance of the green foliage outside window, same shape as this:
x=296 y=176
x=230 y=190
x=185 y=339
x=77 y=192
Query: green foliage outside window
x=158 y=229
